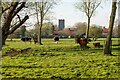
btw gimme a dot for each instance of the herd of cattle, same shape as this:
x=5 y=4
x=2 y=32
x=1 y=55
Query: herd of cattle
x=35 y=39
x=81 y=41
x=30 y=39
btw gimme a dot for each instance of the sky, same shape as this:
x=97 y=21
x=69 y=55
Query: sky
x=66 y=10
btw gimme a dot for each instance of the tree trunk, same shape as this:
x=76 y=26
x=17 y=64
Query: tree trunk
x=40 y=41
x=4 y=37
x=0 y=27
x=87 y=30
x=0 y=38
x=108 y=43
x=40 y=25
x=5 y=29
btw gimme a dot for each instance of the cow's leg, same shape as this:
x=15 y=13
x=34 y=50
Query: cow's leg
x=82 y=47
x=34 y=42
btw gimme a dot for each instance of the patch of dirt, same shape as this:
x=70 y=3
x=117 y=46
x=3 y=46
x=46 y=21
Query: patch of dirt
x=14 y=52
x=56 y=77
x=50 y=54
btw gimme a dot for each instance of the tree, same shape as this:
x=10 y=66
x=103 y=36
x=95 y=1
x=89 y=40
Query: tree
x=80 y=28
x=23 y=30
x=88 y=7
x=42 y=8
x=8 y=15
x=0 y=27
x=119 y=19
x=47 y=29
x=108 y=43
x=95 y=29
x=0 y=38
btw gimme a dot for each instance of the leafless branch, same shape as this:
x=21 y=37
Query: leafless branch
x=94 y=8
x=19 y=17
x=19 y=8
x=18 y=25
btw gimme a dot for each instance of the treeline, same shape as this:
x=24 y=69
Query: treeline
x=49 y=30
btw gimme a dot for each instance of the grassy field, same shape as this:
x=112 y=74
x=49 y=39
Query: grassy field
x=64 y=60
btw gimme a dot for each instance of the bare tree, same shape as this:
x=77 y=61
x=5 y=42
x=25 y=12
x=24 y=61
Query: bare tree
x=42 y=8
x=108 y=43
x=95 y=29
x=81 y=28
x=8 y=14
x=88 y=7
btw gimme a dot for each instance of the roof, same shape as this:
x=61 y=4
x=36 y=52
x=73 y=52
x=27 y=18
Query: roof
x=105 y=30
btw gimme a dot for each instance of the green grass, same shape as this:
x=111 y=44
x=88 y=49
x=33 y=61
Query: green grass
x=63 y=60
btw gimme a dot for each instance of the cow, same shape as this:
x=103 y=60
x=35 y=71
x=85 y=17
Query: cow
x=35 y=38
x=56 y=39
x=97 y=45
x=82 y=42
x=26 y=39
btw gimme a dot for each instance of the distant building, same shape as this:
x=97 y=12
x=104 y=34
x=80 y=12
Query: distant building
x=104 y=32
x=61 y=24
x=70 y=31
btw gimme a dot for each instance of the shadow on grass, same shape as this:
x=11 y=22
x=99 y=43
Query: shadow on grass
x=22 y=66
x=59 y=78
x=33 y=66
x=117 y=64
x=116 y=45
x=118 y=48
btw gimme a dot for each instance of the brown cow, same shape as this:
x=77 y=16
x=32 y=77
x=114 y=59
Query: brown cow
x=82 y=42
x=97 y=45
x=35 y=38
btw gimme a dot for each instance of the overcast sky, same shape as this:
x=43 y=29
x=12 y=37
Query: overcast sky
x=66 y=10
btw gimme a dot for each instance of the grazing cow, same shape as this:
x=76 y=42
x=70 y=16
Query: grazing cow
x=56 y=39
x=82 y=42
x=97 y=45
x=35 y=38
x=26 y=39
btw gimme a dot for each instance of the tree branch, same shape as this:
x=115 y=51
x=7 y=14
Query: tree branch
x=19 y=17
x=94 y=8
x=18 y=25
x=14 y=24
x=85 y=8
x=5 y=9
x=14 y=4
x=47 y=9
x=19 y=8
